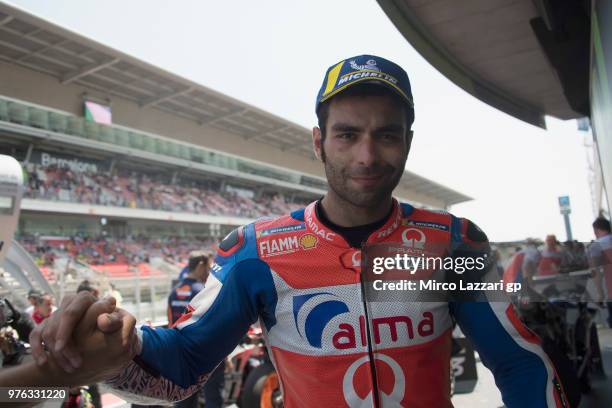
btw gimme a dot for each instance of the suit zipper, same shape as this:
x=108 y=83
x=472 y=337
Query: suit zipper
x=372 y=360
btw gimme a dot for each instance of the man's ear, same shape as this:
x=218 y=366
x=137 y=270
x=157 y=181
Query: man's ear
x=316 y=142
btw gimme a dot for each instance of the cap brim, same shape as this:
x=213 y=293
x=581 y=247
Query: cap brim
x=376 y=81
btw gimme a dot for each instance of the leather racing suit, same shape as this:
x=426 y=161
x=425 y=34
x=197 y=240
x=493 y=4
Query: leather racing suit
x=302 y=282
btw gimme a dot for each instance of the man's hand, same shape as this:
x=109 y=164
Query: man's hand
x=105 y=342
x=56 y=332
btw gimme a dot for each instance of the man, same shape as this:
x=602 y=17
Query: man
x=78 y=394
x=87 y=286
x=181 y=295
x=12 y=321
x=33 y=296
x=299 y=275
x=189 y=285
x=43 y=308
x=600 y=259
x=116 y=294
x=553 y=258
x=523 y=266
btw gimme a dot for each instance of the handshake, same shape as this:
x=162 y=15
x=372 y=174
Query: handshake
x=85 y=341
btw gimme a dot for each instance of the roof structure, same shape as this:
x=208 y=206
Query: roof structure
x=488 y=48
x=34 y=43
x=39 y=45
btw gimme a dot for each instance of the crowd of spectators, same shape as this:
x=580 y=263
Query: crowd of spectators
x=101 y=250
x=130 y=189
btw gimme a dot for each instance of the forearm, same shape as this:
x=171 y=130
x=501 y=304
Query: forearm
x=136 y=385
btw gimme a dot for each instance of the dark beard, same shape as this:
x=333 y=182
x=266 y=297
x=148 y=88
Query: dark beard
x=336 y=180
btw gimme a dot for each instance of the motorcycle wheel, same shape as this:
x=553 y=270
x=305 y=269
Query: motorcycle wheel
x=261 y=389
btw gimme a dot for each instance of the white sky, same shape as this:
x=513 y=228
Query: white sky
x=273 y=54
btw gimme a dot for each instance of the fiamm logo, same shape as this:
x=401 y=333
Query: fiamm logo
x=279 y=246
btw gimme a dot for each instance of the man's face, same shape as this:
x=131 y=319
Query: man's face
x=599 y=233
x=202 y=271
x=365 y=148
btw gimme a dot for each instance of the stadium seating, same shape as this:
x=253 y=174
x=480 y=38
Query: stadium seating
x=137 y=190
x=28 y=114
x=118 y=257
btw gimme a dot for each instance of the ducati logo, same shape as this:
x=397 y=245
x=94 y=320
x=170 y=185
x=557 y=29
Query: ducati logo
x=393 y=399
x=413 y=238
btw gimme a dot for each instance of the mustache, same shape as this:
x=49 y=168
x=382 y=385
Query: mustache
x=372 y=171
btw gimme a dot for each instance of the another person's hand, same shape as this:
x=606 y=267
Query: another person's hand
x=106 y=342
x=56 y=332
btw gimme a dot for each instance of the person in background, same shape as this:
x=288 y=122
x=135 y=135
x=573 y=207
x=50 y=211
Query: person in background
x=15 y=329
x=86 y=285
x=600 y=259
x=43 y=308
x=116 y=294
x=81 y=396
x=189 y=285
x=33 y=296
x=553 y=258
x=524 y=264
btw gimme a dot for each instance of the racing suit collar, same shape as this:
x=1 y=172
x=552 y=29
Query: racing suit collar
x=318 y=228
x=389 y=227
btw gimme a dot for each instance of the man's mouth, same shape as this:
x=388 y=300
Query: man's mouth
x=369 y=180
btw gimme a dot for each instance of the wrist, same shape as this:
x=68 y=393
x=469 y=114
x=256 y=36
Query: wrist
x=138 y=345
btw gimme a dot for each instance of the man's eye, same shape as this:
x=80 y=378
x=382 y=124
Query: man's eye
x=390 y=137
x=345 y=136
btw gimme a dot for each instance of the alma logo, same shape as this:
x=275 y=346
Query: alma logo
x=313 y=312
x=345 y=337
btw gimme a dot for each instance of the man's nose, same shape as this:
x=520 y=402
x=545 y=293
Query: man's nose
x=366 y=151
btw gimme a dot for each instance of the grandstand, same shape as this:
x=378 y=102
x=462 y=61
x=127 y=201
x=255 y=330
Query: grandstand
x=129 y=167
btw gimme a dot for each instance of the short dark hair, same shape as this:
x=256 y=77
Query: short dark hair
x=367 y=89
x=602 y=224
x=195 y=261
x=85 y=286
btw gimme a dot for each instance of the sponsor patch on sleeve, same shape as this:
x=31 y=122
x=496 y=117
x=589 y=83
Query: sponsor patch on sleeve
x=425 y=224
x=280 y=230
